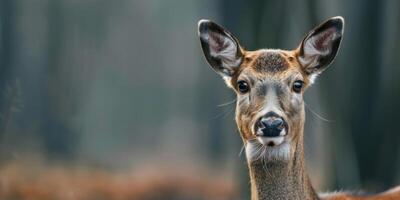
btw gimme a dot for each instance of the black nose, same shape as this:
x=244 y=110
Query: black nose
x=270 y=126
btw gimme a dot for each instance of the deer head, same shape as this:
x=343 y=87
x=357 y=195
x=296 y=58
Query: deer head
x=270 y=84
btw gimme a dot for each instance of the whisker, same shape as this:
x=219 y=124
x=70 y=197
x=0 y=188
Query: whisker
x=260 y=152
x=241 y=150
x=264 y=161
x=317 y=115
x=223 y=114
x=227 y=103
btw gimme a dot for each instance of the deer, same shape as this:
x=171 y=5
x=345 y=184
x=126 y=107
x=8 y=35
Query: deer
x=270 y=114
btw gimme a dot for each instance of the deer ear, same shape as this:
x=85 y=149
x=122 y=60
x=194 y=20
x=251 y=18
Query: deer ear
x=319 y=47
x=221 y=48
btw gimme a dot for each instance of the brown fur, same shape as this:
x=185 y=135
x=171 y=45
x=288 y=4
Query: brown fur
x=392 y=194
x=270 y=62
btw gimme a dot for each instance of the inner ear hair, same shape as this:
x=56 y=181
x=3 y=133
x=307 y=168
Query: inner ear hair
x=320 y=46
x=220 y=47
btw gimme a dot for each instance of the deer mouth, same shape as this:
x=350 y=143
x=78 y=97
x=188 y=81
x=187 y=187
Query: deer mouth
x=272 y=141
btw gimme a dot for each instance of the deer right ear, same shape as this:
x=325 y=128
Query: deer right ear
x=221 y=48
x=320 y=46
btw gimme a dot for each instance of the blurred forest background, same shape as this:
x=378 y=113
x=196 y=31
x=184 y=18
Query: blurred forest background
x=108 y=99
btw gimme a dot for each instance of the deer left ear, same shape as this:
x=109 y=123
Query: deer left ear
x=320 y=46
x=220 y=47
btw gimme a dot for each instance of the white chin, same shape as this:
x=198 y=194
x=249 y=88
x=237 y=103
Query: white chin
x=271 y=141
x=268 y=148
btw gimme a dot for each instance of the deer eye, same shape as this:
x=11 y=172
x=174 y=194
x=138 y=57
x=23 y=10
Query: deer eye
x=297 y=86
x=243 y=86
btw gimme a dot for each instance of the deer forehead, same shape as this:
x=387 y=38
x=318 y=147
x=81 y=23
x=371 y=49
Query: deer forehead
x=270 y=62
x=273 y=65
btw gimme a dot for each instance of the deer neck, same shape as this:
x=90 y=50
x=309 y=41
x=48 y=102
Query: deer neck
x=281 y=180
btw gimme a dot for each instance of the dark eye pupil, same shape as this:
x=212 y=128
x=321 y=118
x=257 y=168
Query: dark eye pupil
x=243 y=87
x=297 y=85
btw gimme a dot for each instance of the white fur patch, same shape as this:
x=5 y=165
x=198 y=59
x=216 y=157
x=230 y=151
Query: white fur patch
x=255 y=150
x=312 y=78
